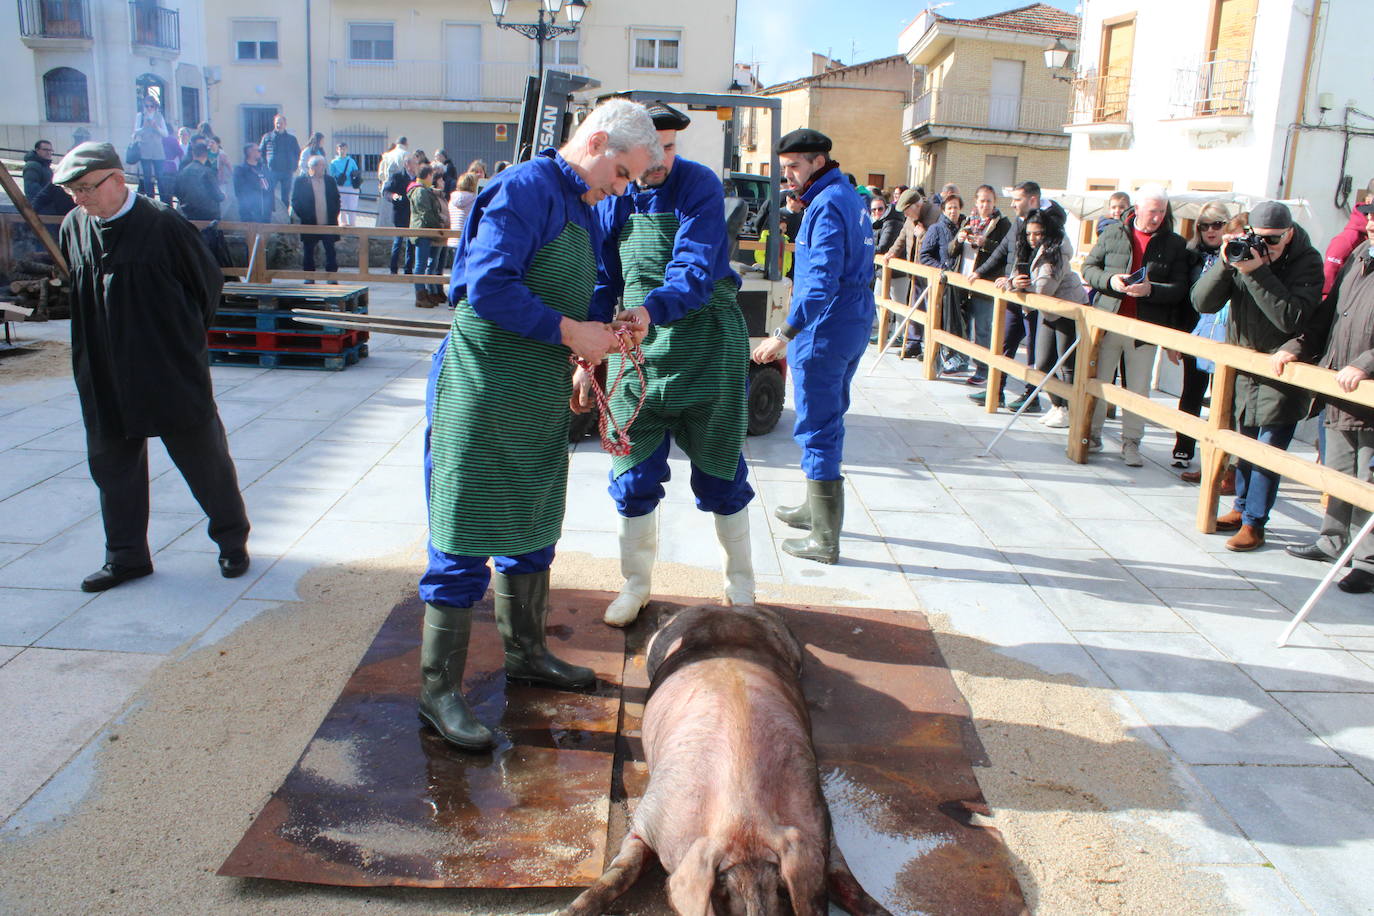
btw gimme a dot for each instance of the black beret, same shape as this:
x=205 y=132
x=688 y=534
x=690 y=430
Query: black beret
x=84 y=159
x=804 y=140
x=665 y=117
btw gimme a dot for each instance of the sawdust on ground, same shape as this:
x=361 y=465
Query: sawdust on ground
x=38 y=359
x=214 y=733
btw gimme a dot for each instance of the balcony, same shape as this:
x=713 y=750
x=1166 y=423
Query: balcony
x=428 y=84
x=1101 y=103
x=155 y=28
x=942 y=114
x=54 y=23
x=1214 y=95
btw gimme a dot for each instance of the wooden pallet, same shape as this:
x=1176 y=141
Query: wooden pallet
x=285 y=296
x=315 y=341
x=332 y=362
x=241 y=319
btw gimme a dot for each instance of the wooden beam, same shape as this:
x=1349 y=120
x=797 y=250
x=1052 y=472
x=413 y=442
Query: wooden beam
x=21 y=203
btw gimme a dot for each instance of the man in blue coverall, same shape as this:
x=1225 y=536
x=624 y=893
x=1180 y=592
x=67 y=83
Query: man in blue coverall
x=826 y=332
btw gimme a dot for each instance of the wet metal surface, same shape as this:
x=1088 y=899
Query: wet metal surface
x=378 y=799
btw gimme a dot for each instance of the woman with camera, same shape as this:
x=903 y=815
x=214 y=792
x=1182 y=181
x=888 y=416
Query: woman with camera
x=1271 y=278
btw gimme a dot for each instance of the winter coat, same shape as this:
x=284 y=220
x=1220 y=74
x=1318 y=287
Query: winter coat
x=37 y=175
x=1166 y=260
x=1270 y=307
x=281 y=151
x=1342 y=334
x=1340 y=248
x=886 y=231
x=1013 y=248
x=459 y=206
x=940 y=248
x=252 y=191
x=148 y=132
x=1057 y=278
x=425 y=205
x=399 y=183
x=303 y=203
x=198 y=192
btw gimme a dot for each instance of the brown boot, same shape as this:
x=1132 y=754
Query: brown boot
x=1191 y=476
x=1228 y=482
x=1247 y=538
x=1229 y=522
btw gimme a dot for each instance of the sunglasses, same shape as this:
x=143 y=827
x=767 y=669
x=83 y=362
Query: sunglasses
x=1269 y=239
x=1210 y=227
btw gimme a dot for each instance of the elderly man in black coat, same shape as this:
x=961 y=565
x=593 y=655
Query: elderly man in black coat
x=144 y=289
x=315 y=202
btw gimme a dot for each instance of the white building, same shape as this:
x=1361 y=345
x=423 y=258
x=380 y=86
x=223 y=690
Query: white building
x=78 y=69
x=1244 y=96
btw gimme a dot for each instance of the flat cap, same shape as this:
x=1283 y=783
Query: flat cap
x=909 y=196
x=804 y=140
x=666 y=117
x=1270 y=214
x=84 y=159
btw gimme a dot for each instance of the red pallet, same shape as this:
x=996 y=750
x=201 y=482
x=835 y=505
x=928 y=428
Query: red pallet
x=284 y=342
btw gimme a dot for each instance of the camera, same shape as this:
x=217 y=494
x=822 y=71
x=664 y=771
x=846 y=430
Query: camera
x=1243 y=248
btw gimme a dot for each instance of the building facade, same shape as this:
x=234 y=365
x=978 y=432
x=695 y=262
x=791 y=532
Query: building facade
x=1265 y=98
x=442 y=73
x=858 y=107
x=79 y=69
x=989 y=110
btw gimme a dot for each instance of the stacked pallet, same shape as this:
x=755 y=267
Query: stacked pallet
x=255 y=327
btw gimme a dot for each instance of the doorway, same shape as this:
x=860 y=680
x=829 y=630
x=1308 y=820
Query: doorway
x=462 y=62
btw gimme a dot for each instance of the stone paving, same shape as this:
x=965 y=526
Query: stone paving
x=1094 y=571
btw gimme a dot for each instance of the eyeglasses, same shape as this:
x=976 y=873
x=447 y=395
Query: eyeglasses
x=1212 y=227
x=79 y=190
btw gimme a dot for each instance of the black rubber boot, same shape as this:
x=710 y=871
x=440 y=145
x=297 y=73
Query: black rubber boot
x=795 y=516
x=522 y=609
x=443 y=654
x=825 y=500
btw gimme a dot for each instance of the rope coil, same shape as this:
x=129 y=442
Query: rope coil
x=615 y=438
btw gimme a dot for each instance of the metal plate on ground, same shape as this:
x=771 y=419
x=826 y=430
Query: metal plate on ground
x=379 y=799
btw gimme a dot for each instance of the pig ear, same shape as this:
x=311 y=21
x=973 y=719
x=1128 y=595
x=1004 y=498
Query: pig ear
x=802 y=865
x=689 y=887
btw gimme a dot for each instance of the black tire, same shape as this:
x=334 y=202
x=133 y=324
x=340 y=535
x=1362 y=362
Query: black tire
x=766 y=396
x=582 y=426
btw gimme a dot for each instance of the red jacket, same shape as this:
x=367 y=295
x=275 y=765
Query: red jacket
x=1346 y=241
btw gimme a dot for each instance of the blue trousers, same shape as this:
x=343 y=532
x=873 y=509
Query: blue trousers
x=821 y=373
x=402 y=244
x=457 y=580
x=426 y=257
x=638 y=491
x=1257 y=488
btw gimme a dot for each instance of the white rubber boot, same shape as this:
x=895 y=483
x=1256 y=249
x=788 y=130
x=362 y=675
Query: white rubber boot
x=638 y=549
x=733 y=533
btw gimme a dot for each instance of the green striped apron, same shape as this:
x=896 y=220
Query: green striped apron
x=499 y=434
x=695 y=368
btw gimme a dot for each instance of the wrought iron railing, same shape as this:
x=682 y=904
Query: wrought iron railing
x=1214 y=87
x=154 y=26
x=55 y=18
x=984 y=110
x=1101 y=98
x=438 y=80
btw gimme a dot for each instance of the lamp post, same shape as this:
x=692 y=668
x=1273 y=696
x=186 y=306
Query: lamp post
x=1058 y=59
x=546 y=27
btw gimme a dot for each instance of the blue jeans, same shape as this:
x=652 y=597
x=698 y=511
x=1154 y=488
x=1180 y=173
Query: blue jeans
x=979 y=312
x=1256 y=487
x=426 y=259
x=150 y=171
x=402 y=244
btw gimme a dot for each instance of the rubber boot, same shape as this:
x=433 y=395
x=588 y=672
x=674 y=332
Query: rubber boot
x=795 y=516
x=522 y=609
x=826 y=501
x=638 y=549
x=443 y=654
x=733 y=533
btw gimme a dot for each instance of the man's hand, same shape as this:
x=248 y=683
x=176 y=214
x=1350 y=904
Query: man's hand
x=636 y=320
x=589 y=340
x=582 y=399
x=1250 y=264
x=1280 y=359
x=972 y=275
x=1172 y=355
x=768 y=350
x=1350 y=377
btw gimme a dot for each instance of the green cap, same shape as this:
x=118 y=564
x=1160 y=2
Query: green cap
x=84 y=159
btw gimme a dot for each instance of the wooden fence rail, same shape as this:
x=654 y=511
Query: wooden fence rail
x=1214 y=435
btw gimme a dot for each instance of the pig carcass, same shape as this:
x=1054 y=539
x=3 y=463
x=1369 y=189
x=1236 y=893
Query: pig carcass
x=734 y=809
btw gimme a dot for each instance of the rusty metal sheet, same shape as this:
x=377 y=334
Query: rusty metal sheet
x=896 y=748
x=378 y=799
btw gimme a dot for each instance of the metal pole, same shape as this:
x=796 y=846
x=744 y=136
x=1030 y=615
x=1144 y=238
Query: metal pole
x=901 y=325
x=309 y=75
x=1028 y=399
x=1325 y=583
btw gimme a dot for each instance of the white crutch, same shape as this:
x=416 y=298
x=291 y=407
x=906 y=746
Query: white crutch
x=1028 y=399
x=900 y=325
x=1325 y=583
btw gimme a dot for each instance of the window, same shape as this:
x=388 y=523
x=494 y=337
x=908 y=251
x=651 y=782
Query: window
x=1118 y=47
x=64 y=92
x=257 y=121
x=566 y=53
x=371 y=41
x=1223 y=81
x=1000 y=172
x=190 y=106
x=876 y=180
x=254 y=39
x=656 y=49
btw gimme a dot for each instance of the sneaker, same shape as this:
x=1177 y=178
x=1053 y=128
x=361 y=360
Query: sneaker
x=1130 y=453
x=1181 y=458
x=1031 y=407
x=976 y=381
x=1094 y=443
x=1057 y=418
x=981 y=398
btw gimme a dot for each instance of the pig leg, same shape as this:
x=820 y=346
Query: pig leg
x=845 y=890
x=617 y=879
x=800 y=862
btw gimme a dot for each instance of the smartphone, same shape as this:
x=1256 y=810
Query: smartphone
x=1140 y=276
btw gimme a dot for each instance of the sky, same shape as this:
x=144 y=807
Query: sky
x=780 y=37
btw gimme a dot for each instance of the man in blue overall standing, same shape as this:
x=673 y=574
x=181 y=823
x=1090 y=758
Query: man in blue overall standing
x=826 y=332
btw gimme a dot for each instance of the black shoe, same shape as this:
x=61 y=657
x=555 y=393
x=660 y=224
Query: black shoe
x=1357 y=582
x=112 y=574
x=1182 y=459
x=233 y=565
x=1307 y=552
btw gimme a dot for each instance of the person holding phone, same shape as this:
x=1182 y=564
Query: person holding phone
x=1139 y=268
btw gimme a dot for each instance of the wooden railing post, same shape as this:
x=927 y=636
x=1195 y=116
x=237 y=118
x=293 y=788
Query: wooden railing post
x=1213 y=458
x=257 y=259
x=999 y=333
x=364 y=253
x=1084 y=370
x=935 y=306
x=885 y=290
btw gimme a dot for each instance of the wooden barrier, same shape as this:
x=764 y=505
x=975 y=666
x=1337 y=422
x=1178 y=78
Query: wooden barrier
x=1214 y=435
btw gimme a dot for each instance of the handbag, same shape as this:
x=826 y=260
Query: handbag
x=1212 y=327
x=132 y=155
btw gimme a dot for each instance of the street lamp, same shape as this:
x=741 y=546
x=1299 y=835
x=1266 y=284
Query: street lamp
x=1057 y=57
x=546 y=27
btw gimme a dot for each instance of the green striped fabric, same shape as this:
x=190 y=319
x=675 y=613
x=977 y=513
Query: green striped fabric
x=695 y=368
x=499 y=434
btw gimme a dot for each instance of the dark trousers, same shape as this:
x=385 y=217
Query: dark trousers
x=280 y=182
x=1054 y=337
x=400 y=245
x=1195 y=383
x=1257 y=489
x=149 y=170
x=1020 y=325
x=331 y=261
x=978 y=315
x=119 y=468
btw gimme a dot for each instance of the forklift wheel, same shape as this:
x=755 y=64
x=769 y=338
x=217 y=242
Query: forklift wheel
x=766 y=395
